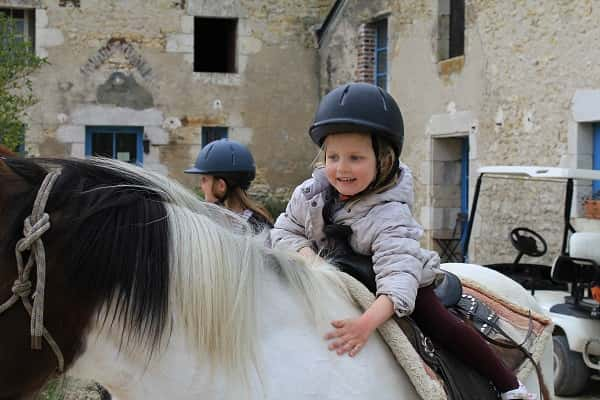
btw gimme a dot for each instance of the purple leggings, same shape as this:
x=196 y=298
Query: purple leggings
x=461 y=339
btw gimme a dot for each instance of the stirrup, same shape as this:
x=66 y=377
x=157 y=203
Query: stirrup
x=519 y=393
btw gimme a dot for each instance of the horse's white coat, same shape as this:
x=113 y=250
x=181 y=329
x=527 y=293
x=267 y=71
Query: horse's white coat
x=293 y=359
x=231 y=305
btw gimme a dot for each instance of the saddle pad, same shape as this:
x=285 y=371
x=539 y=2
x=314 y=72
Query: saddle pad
x=513 y=319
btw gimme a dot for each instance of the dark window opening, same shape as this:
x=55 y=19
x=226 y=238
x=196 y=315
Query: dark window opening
x=121 y=143
x=451 y=28
x=23 y=22
x=457 y=28
x=212 y=133
x=215 y=44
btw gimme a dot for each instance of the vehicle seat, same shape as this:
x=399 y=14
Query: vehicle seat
x=581 y=268
x=582 y=263
x=585 y=245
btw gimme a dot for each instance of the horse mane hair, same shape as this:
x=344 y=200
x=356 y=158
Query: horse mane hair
x=158 y=257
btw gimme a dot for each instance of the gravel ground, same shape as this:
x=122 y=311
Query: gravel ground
x=72 y=389
x=592 y=393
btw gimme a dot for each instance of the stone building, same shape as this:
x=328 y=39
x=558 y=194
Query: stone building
x=152 y=80
x=480 y=82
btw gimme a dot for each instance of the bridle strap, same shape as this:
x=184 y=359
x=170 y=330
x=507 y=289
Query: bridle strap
x=34 y=227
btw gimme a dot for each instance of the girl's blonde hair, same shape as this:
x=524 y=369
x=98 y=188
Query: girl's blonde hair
x=386 y=159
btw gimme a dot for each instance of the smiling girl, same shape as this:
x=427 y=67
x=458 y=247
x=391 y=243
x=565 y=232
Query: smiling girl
x=365 y=188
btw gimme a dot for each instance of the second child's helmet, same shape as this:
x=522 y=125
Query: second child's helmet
x=359 y=107
x=226 y=159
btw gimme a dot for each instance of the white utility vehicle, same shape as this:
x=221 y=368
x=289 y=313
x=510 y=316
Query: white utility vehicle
x=564 y=288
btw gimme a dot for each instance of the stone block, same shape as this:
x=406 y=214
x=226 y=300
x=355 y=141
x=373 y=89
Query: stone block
x=180 y=43
x=103 y=115
x=244 y=27
x=41 y=19
x=187 y=24
x=156 y=135
x=49 y=37
x=249 y=45
x=71 y=133
x=213 y=78
x=211 y=8
x=78 y=150
x=242 y=135
x=41 y=52
x=584 y=105
x=444 y=124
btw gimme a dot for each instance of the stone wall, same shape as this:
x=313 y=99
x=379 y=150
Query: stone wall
x=512 y=96
x=268 y=103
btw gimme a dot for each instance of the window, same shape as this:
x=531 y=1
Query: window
x=118 y=142
x=464 y=192
x=211 y=133
x=596 y=157
x=24 y=20
x=451 y=27
x=381 y=44
x=215 y=45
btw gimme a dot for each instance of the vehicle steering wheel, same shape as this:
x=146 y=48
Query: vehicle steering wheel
x=526 y=241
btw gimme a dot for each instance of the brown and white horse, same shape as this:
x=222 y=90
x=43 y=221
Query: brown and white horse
x=157 y=295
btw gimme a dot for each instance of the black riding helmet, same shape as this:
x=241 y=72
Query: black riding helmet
x=226 y=159
x=359 y=107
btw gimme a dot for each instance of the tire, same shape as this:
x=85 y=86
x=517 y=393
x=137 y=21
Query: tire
x=571 y=375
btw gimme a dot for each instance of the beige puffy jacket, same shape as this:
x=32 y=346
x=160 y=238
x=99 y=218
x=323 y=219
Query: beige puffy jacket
x=382 y=226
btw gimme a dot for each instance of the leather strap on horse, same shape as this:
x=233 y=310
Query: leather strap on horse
x=512 y=344
x=33 y=228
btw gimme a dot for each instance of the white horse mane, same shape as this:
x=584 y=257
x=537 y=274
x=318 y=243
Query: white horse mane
x=217 y=267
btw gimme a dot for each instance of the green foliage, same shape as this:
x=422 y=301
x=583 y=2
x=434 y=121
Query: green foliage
x=274 y=205
x=17 y=63
x=198 y=193
x=54 y=390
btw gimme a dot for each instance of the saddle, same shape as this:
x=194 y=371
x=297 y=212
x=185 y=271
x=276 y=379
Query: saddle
x=461 y=382
x=455 y=375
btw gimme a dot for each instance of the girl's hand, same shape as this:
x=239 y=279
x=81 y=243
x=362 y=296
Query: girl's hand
x=350 y=336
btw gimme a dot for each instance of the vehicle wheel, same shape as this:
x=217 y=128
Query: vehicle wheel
x=570 y=372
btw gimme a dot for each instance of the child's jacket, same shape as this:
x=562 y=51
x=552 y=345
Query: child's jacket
x=382 y=226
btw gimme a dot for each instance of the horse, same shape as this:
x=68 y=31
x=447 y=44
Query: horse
x=155 y=294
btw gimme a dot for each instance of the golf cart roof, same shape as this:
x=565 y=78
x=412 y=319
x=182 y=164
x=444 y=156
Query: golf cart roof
x=538 y=172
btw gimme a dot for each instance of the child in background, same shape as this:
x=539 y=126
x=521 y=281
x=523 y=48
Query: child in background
x=226 y=169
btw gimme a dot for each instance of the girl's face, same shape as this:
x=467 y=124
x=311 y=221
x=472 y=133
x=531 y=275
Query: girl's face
x=212 y=187
x=350 y=162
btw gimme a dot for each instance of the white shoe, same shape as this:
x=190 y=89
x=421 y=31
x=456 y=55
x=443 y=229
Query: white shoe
x=519 y=393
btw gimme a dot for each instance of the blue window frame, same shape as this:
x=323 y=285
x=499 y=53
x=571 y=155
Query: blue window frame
x=596 y=157
x=123 y=143
x=211 y=133
x=464 y=191
x=381 y=51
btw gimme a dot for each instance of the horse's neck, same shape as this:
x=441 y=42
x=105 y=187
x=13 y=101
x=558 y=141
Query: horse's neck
x=293 y=360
